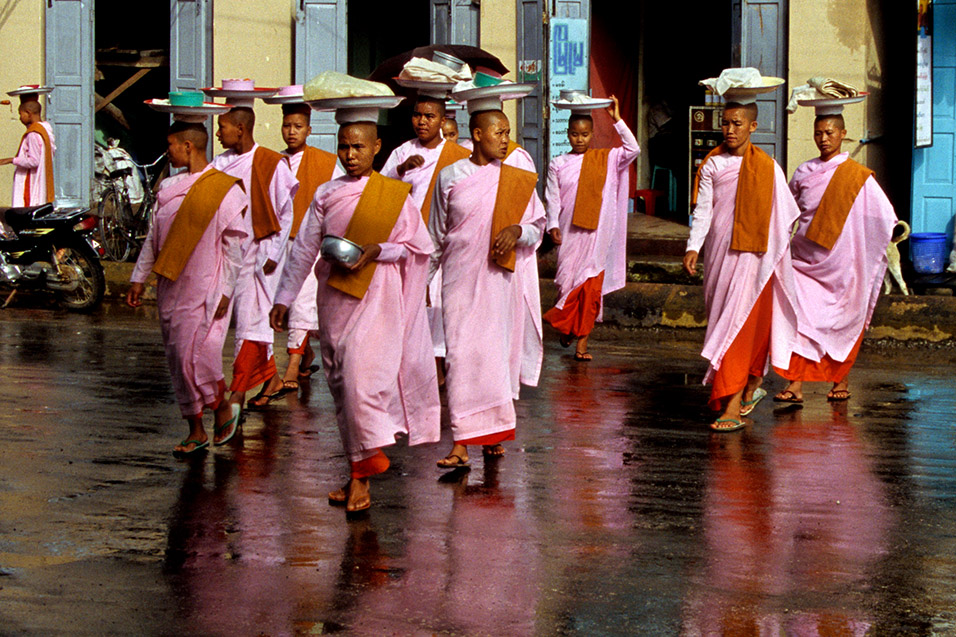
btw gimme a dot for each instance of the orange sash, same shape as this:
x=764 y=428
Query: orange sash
x=590 y=194
x=264 y=220
x=315 y=169
x=375 y=215
x=515 y=188
x=754 y=202
x=512 y=147
x=39 y=129
x=838 y=198
x=450 y=153
x=193 y=217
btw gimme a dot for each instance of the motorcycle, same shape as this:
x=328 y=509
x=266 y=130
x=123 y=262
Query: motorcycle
x=53 y=249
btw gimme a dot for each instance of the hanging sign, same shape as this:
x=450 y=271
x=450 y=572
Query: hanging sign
x=569 y=61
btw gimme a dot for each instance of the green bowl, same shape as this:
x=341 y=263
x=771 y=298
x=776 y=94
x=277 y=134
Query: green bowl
x=483 y=79
x=185 y=98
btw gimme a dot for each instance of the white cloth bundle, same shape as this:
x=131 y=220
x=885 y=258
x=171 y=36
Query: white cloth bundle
x=744 y=77
x=820 y=88
x=428 y=71
x=331 y=84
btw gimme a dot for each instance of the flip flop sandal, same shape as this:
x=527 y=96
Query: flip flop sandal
x=493 y=451
x=787 y=396
x=583 y=357
x=307 y=373
x=460 y=463
x=236 y=410
x=747 y=406
x=734 y=427
x=565 y=340
x=833 y=398
x=200 y=446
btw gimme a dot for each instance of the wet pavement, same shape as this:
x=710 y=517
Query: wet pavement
x=616 y=511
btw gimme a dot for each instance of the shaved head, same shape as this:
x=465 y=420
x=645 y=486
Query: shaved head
x=750 y=110
x=366 y=130
x=244 y=117
x=484 y=119
x=297 y=109
x=194 y=133
x=425 y=99
x=30 y=106
x=580 y=117
x=837 y=120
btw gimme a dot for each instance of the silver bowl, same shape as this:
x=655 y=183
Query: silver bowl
x=448 y=60
x=568 y=95
x=339 y=250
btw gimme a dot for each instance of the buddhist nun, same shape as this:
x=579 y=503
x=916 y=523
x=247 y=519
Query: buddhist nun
x=743 y=215
x=270 y=187
x=839 y=256
x=195 y=247
x=586 y=198
x=486 y=222
x=373 y=330
x=33 y=163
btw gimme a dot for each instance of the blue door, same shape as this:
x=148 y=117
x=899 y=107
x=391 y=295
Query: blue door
x=69 y=69
x=760 y=31
x=934 y=183
x=320 y=45
x=190 y=48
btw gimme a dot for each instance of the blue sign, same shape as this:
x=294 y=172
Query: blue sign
x=570 y=54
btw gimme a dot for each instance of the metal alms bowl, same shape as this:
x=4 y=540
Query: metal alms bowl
x=340 y=250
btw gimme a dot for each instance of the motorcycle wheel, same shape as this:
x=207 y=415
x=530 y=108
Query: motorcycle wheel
x=112 y=234
x=92 y=282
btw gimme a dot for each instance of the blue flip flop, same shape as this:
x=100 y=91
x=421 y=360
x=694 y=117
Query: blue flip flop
x=200 y=446
x=236 y=410
x=747 y=406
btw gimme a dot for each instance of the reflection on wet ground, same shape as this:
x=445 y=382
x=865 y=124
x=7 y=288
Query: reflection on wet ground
x=615 y=512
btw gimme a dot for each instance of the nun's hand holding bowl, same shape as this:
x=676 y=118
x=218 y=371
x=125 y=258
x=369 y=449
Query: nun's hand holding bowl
x=370 y=252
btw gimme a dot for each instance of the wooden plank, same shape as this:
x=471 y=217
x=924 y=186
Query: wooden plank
x=119 y=89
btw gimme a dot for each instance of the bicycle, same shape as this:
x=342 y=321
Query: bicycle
x=122 y=229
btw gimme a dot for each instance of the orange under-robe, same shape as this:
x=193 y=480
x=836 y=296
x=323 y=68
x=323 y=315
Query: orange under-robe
x=252 y=367
x=747 y=355
x=580 y=310
x=826 y=369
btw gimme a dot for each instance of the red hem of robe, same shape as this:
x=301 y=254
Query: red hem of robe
x=214 y=405
x=488 y=439
x=251 y=367
x=747 y=355
x=370 y=466
x=580 y=310
x=827 y=369
x=300 y=349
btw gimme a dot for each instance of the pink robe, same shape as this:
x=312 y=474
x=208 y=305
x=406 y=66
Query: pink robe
x=420 y=178
x=303 y=315
x=192 y=337
x=733 y=280
x=255 y=290
x=586 y=253
x=376 y=351
x=492 y=316
x=837 y=289
x=30 y=163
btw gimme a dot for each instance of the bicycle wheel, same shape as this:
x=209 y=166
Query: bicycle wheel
x=112 y=233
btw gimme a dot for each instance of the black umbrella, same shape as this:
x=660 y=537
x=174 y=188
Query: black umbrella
x=387 y=71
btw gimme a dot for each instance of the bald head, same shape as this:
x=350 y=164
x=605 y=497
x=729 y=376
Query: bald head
x=483 y=119
x=244 y=117
x=193 y=133
x=837 y=120
x=31 y=106
x=748 y=110
x=297 y=109
x=439 y=104
x=357 y=147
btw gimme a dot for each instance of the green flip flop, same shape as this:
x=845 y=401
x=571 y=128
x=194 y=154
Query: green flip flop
x=200 y=446
x=236 y=410
x=747 y=406
x=734 y=427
